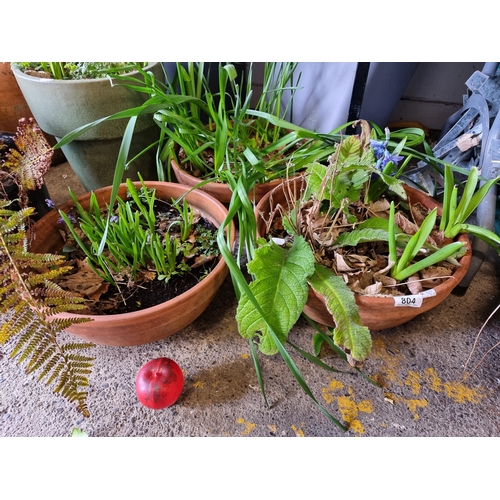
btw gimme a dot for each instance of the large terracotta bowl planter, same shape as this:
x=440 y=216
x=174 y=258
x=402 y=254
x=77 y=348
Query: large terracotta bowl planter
x=377 y=313
x=154 y=323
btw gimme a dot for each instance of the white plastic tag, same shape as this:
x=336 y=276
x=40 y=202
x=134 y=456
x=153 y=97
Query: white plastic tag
x=413 y=300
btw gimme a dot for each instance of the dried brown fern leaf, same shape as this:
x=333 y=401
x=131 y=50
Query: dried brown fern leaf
x=30 y=300
x=32 y=158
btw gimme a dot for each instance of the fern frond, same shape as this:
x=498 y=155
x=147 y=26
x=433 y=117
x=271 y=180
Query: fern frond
x=31 y=339
x=21 y=319
x=60 y=324
x=30 y=299
x=44 y=352
x=75 y=346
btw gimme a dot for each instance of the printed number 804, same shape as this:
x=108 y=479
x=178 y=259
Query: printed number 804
x=408 y=300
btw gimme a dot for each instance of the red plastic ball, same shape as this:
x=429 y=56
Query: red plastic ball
x=159 y=383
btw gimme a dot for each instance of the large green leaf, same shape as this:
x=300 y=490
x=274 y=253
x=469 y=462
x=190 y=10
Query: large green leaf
x=349 y=332
x=356 y=236
x=280 y=288
x=346 y=183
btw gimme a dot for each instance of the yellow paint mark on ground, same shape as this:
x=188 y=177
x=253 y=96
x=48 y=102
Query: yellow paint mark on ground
x=433 y=381
x=249 y=427
x=412 y=404
x=413 y=381
x=334 y=385
x=347 y=405
x=298 y=432
x=454 y=390
x=244 y=355
x=365 y=406
x=390 y=375
x=350 y=411
x=199 y=384
x=391 y=362
x=272 y=428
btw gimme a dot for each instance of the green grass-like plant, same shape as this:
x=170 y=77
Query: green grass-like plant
x=456 y=213
x=132 y=241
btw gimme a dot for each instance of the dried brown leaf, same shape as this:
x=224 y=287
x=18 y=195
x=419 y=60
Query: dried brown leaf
x=379 y=208
x=405 y=224
x=433 y=276
x=414 y=284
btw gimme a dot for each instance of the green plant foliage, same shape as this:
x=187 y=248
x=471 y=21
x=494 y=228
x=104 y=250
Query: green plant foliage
x=30 y=299
x=132 y=238
x=335 y=185
x=349 y=333
x=333 y=211
x=77 y=70
x=363 y=235
x=78 y=433
x=455 y=214
x=280 y=287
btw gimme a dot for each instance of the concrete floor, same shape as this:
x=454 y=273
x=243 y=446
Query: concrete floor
x=420 y=366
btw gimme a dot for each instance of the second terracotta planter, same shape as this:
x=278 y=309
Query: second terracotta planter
x=377 y=313
x=221 y=191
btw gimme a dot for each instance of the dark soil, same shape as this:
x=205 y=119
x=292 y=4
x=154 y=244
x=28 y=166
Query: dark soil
x=151 y=293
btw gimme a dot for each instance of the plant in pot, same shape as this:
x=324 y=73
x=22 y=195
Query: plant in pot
x=64 y=96
x=145 y=258
x=348 y=238
x=174 y=110
x=237 y=148
x=215 y=141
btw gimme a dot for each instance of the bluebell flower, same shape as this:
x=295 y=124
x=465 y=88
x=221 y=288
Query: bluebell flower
x=378 y=148
x=114 y=219
x=388 y=157
x=70 y=217
x=50 y=203
x=381 y=153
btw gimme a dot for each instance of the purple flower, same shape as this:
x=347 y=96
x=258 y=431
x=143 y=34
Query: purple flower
x=114 y=219
x=378 y=148
x=388 y=157
x=382 y=154
x=50 y=203
x=70 y=217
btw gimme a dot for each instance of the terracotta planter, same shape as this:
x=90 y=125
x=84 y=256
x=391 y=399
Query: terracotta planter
x=61 y=106
x=13 y=105
x=218 y=190
x=154 y=323
x=377 y=313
